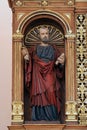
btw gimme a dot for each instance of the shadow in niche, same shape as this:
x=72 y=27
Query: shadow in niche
x=27 y=103
x=42 y=122
x=27 y=108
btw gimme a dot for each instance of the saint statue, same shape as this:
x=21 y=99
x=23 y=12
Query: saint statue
x=44 y=69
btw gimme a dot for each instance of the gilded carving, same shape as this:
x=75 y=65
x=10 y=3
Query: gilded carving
x=56 y=36
x=71 y=111
x=17 y=35
x=44 y=3
x=19 y=15
x=68 y=15
x=81 y=45
x=70 y=2
x=70 y=35
x=17 y=111
x=18 y=3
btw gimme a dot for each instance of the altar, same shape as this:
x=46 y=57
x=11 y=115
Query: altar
x=47 y=127
x=67 y=22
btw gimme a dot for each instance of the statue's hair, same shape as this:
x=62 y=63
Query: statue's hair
x=42 y=27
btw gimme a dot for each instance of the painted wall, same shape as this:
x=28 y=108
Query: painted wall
x=5 y=64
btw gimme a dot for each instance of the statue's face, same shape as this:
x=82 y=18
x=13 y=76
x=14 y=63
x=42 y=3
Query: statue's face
x=44 y=35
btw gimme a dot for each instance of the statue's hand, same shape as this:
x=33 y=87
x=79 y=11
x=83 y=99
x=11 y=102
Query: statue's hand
x=25 y=53
x=57 y=62
x=60 y=59
x=26 y=57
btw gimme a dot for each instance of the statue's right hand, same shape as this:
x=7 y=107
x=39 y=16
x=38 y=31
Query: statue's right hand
x=26 y=57
x=25 y=53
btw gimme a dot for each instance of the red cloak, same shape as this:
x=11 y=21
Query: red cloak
x=44 y=78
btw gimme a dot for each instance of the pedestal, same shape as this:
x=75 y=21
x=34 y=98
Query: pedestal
x=47 y=127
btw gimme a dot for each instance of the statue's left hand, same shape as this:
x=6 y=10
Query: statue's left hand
x=60 y=59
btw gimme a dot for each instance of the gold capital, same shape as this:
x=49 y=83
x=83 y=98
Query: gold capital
x=18 y=35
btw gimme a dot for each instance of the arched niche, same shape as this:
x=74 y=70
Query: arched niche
x=27 y=24
x=31 y=39
x=57 y=17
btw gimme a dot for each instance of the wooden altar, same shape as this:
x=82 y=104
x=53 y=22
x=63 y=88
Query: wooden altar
x=70 y=18
x=47 y=127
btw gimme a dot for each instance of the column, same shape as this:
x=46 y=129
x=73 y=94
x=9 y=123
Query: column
x=71 y=108
x=17 y=79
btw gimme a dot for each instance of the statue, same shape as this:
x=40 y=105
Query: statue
x=44 y=69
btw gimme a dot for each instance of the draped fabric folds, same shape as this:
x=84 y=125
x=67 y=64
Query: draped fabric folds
x=43 y=79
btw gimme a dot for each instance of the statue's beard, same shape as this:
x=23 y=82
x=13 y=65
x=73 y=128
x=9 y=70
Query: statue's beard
x=45 y=40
